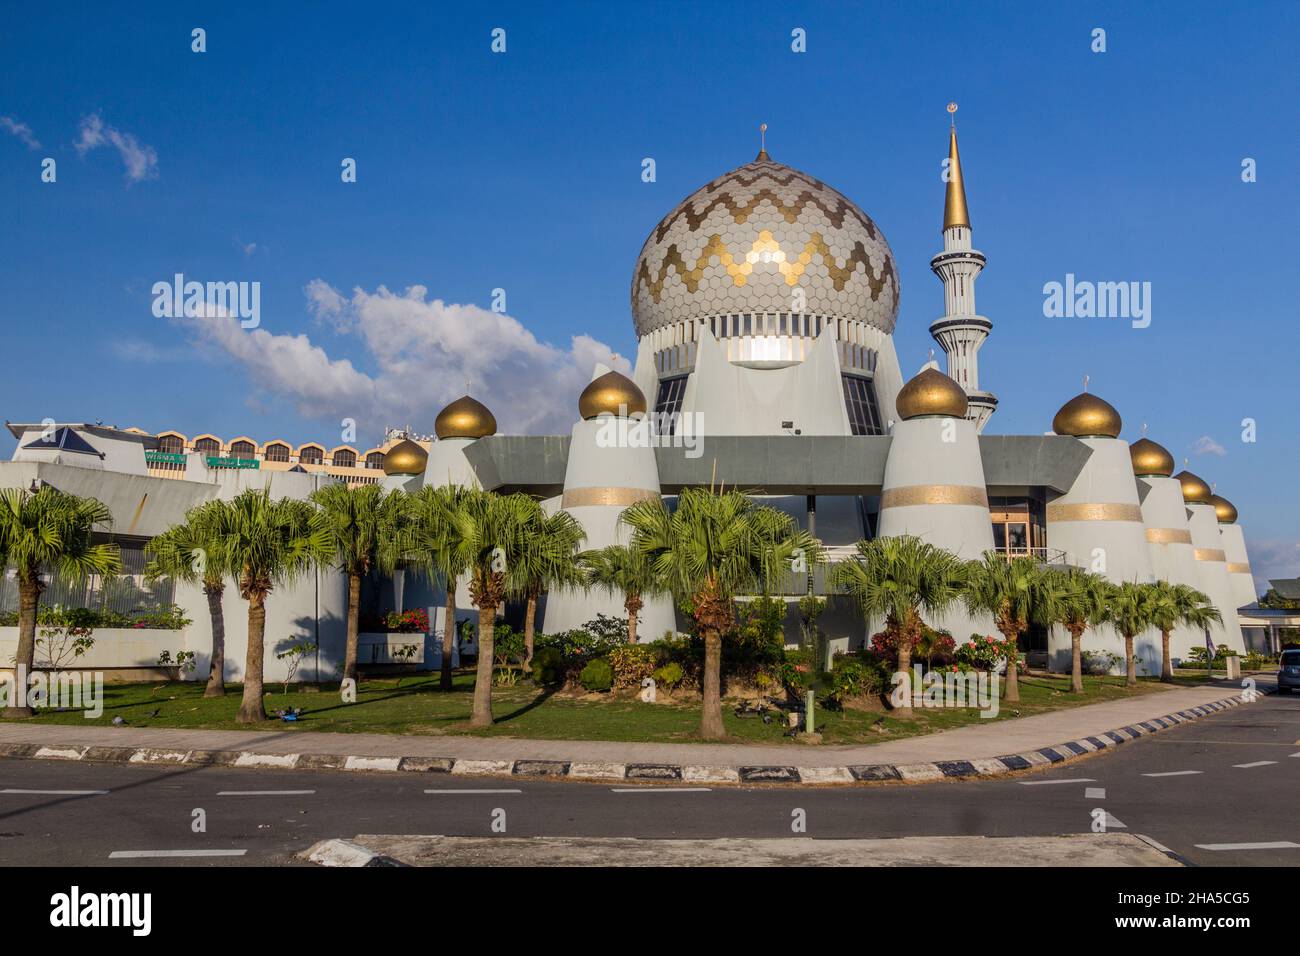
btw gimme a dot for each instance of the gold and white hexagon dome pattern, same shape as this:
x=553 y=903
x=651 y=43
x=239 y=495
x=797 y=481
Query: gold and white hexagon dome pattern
x=746 y=241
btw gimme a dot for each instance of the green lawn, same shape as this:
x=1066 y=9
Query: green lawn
x=418 y=707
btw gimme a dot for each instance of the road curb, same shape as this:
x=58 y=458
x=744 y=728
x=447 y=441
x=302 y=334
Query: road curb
x=635 y=772
x=345 y=853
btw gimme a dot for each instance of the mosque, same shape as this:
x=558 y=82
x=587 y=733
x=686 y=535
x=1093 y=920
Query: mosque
x=764 y=305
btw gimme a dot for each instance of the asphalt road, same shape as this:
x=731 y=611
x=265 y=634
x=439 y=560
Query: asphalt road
x=1212 y=791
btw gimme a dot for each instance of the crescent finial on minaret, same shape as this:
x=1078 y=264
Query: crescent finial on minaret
x=762 y=143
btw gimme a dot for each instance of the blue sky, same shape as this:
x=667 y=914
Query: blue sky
x=522 y=171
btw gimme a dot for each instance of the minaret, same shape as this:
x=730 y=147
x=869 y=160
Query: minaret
x=961 y=331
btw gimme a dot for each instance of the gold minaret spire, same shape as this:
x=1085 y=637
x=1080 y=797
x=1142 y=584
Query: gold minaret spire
x=954 y=206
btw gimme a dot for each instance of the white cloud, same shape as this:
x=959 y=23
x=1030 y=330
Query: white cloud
x=1205 y=445
x=141 y=161
x=423 y=352
x=21 y=130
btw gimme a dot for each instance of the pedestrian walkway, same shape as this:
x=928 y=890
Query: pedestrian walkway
x=974 y=742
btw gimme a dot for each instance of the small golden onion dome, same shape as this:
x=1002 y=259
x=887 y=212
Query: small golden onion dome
x=405 y=458
x=1195 y=491
x=465 y=418
x=1087 y=416
x=613 y=393
x=930 y=392
x=1150 y=459
x=1223 y=509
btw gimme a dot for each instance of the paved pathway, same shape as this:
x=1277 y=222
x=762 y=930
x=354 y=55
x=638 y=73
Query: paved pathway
x=972 y=742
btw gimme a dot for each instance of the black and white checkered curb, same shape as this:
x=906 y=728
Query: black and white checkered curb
x=638 y=772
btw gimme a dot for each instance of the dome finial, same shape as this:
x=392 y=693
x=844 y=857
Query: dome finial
x=952 y=115
x=954 y=206
x=762 y=144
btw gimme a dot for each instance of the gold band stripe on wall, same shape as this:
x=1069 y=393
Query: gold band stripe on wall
x=933 y=495
x=1093 y=512
x=1168 y=536
x=617 y=497
x=1210 y=554
x=1234 y=568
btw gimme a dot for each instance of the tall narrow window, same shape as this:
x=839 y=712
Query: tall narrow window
x=860 y=403
x=668 y=403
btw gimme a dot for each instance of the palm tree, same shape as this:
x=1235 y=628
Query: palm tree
x=1009 y=590
x=624 y=571
x=436 y=549
x=1175 y=604
x=270 y=543
x=50 y=529
x=549 y=560
x=713 y=546
x=1130 y=611
x=487 y=534
x=194 y=552
x=1076 y=600
x=897 y=578
x=368 y=532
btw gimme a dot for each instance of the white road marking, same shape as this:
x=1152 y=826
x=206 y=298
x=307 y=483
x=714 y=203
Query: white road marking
x=1295 y=755
x=1257 y=763
x=1048 y=783
x=1094 y=793
x=459 y=792
x=262 y=793
x=1114 y=824
x=1278 y=845
x=161 y=854
x=661 y=789
x=1174 y=773
x=60 y=793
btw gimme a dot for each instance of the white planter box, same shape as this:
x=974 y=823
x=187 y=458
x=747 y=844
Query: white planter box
x=114 y=647
x=379 y=648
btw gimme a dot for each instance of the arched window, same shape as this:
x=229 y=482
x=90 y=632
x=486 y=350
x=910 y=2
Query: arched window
x=311 y=455
x=171 y=444
x=243 y=449
x=208 y=446
x=277 y=452
x=345 y=459
x=375 y=459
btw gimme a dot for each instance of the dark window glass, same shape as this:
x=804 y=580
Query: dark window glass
x=277 y=452
x=171 y=444
x=345 y=459
x=860 y=402
x=242 y=449
x=207 y=446
x=375 y=459
x=668 y=404
x=311 y=455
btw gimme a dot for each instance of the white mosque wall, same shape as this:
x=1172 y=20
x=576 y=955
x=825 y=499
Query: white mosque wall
x=604 y=475
x=1169 y=540
x=1210 y=559
x=934 y=490
x=1238 y=564
x=1098 y=523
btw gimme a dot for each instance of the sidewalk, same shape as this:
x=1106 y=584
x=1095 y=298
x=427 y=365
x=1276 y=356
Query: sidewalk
x=974 y=750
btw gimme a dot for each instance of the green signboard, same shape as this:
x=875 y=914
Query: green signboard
x=217 y=462
x=164 y=457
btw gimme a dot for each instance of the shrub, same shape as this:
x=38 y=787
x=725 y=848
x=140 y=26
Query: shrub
x=597 y=675
x=859 y=675
x=669 y=676
x=1099 y=662
x=798 y=672
x=507 y=645
x=169 y=617
x=983 y=652
x=632 y=663
x=548 y=666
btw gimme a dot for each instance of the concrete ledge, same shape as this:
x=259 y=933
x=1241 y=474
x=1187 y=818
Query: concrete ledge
x=596 y=771
x=345 y=853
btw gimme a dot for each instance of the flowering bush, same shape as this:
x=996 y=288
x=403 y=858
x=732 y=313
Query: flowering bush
x=984 y=652
x=935 y=647
x=632 y=663
x=415 y=621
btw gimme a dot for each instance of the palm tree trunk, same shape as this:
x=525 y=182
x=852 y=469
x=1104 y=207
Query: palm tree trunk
x=448 y=635
x=1076 y=660
x=904 y=644
x=29 y=592
x=250 y=708
x=482 y=713
x=1166 y=666
x=1013 y=669
x=711 y=718
x=354 y=617
x=633 y=606
x=530 y=624
x=1130 y=665
x=217 y=673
